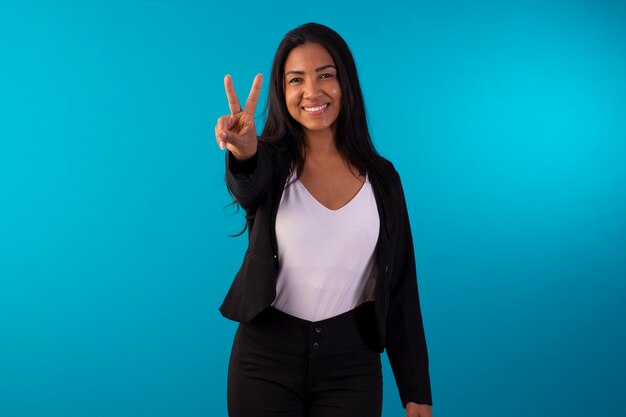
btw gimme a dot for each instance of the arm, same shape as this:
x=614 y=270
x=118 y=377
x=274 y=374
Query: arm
x=405 y=338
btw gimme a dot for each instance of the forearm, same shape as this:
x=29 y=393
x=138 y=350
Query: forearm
x=247 y=180
x=406 y=347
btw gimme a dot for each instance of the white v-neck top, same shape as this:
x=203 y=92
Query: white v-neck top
x=326 y=257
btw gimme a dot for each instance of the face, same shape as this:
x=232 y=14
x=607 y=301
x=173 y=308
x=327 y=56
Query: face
x=312 y=91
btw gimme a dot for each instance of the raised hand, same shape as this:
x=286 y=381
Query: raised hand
x=237 y=130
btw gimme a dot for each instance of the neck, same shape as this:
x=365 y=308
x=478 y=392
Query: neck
x=320 y=144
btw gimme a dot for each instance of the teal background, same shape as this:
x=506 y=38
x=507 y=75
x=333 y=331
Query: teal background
x=506 y=121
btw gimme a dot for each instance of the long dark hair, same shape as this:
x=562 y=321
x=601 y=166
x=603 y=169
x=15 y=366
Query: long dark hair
x=352 y=137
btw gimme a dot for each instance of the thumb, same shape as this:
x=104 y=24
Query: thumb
x=231 y=138
x=226 y=136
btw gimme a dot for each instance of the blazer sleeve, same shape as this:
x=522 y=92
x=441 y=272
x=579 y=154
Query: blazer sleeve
x=249 y=180
x=405 y=338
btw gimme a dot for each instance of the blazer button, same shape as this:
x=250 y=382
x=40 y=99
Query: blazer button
x=386 y=268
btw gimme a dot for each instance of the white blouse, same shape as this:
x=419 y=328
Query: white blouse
x=326 y=257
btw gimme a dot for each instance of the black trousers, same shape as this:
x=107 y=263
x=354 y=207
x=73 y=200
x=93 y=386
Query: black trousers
x=283 y=366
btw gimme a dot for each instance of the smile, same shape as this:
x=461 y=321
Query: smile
x=316 y=109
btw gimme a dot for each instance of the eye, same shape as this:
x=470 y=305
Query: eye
x=326 y=75
x=295 y=80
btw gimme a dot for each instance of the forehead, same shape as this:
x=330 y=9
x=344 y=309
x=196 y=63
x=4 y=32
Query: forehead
x=307 y=56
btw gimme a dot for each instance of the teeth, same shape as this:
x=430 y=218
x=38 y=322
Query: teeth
x=318 y=108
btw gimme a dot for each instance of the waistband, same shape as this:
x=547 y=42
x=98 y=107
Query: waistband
x=352 y=329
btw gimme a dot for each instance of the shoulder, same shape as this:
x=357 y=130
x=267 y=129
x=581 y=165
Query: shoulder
x=389 y=171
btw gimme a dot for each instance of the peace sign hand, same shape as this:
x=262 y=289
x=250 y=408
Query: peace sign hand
x=237 y=130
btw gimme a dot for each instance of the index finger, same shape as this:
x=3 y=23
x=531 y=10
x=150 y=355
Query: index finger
x=233 y=101
x=253 y=97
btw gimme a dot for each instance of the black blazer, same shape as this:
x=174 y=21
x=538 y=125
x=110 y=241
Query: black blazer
x=257 y=184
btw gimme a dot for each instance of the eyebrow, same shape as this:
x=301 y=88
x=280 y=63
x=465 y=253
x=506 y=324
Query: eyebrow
x=316 y=69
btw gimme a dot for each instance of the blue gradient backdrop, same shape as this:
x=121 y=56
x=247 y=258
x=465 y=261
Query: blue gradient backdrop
x=506 y=121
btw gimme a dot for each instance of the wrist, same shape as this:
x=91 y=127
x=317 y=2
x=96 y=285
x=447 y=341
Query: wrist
x=241 y=157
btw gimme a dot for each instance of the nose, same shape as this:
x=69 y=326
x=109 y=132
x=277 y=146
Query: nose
x=312 y=89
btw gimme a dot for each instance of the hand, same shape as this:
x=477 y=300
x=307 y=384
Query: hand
x=237 y=130
x=418 y=410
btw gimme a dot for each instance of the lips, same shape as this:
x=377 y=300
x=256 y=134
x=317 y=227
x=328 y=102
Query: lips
x=317 y=109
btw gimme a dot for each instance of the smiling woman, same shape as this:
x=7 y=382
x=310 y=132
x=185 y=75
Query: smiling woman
x=328 y=281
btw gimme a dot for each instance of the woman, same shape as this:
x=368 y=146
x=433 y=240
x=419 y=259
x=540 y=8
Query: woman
x=328 y=280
